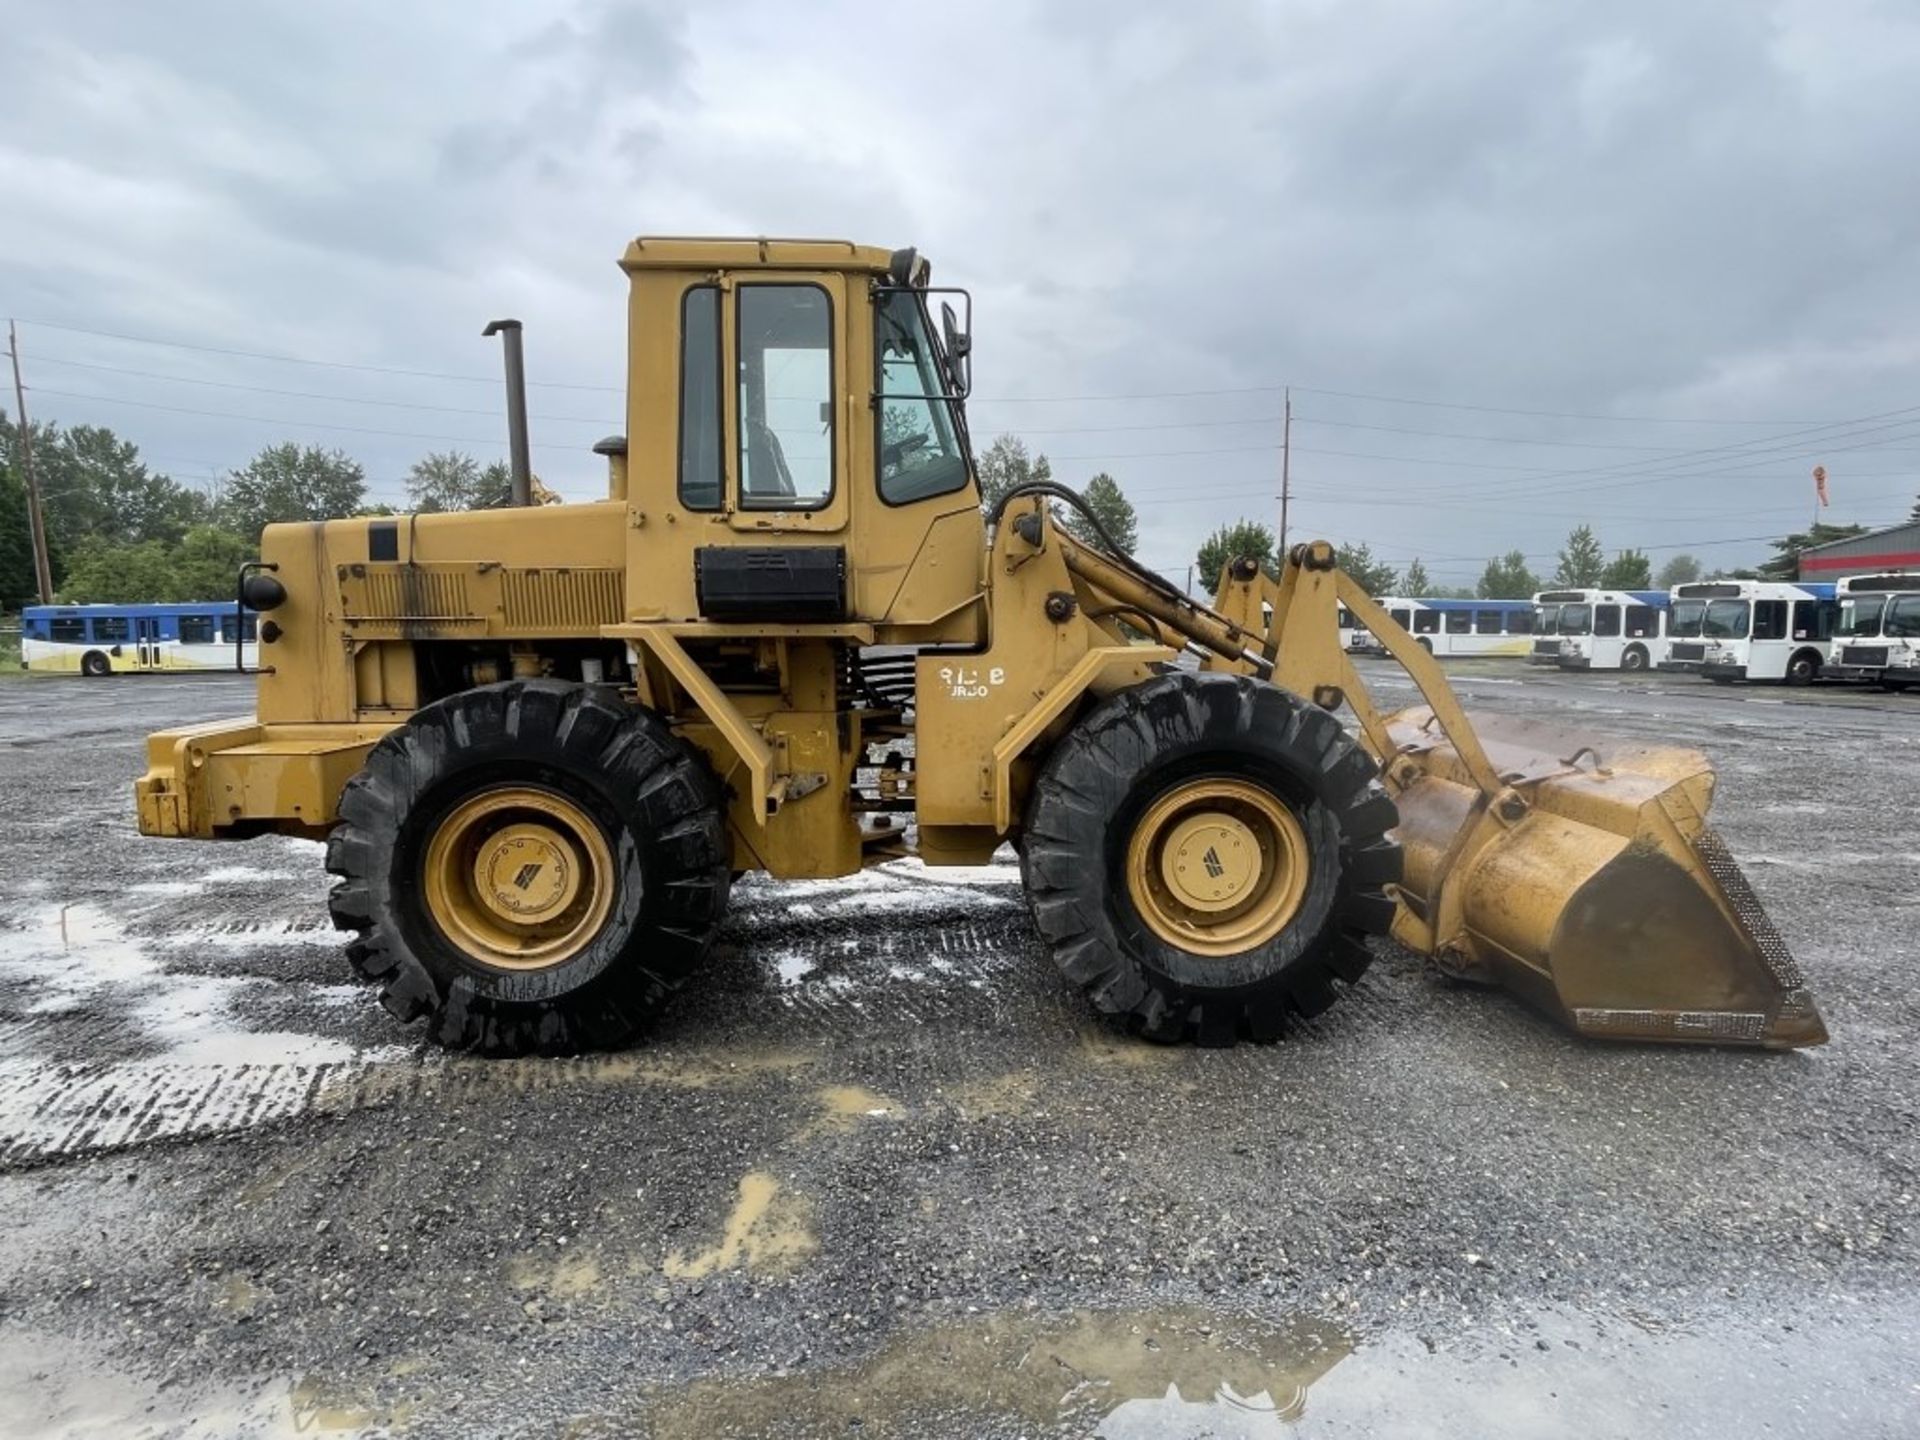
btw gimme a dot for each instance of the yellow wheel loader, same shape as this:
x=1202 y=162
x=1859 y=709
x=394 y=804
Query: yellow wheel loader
x=540 y=742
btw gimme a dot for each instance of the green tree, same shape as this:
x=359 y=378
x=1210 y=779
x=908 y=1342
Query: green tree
x=1508 y=578
x=1628 y=570
x=1583 y=561
x=1369 y=574
x=18 y=585
x=202 y=566
x=1682 y=569
x=98 y=486
x=1785 y=564
x=1417 y=583
x=1005 y=465
x=456 y=481
x=1230 y=542
x=1105 y=498
x=292 y=482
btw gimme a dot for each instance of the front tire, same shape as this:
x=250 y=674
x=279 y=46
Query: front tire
x=531 y=867
x=1803 y=669
x=1205 y=856
x=94 y=664
x=1634 y=659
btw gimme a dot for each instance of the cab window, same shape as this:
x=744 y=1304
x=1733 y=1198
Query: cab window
x=785 y=394
x=918 y=443
x=700 y=424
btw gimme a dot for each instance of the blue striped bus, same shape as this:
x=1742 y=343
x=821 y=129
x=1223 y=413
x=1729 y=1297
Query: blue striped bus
x=115 y=639
x=1448 y=628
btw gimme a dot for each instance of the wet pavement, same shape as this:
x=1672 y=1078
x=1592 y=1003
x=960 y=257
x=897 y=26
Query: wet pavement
x=879 y=1172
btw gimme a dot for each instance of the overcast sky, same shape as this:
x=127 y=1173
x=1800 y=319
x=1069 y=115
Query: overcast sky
x=1691 y=230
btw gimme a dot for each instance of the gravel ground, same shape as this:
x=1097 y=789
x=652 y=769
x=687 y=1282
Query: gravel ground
x=880 y=1172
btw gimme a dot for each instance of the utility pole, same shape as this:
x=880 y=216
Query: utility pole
x=1286 y=474
x=36 y=522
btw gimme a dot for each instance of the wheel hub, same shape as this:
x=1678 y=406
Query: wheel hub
x=1210 y=860
x=526 y=872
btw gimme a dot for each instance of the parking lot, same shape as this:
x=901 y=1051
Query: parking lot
x=881 y=1172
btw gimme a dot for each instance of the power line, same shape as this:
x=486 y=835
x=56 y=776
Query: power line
x=294 y=424
x=306 y=360
x=311 y=394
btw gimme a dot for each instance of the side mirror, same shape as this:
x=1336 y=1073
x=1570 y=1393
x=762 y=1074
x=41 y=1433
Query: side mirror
x=959 y=348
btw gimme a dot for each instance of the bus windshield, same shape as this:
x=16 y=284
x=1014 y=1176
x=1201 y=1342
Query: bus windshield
x=1576 y=619
x=1726 y=620
x=1683 y=623
x=1903 y=618
x=1860 y=615
x=1545 y=619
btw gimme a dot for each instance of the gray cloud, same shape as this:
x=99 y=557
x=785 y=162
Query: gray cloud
x=1648 y=210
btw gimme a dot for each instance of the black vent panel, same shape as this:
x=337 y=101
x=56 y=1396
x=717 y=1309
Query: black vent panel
x=763 y=584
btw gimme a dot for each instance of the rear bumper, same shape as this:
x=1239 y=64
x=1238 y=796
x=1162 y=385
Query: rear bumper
x=1680 y=666
x=1575 y=662
x=1724 y=672
x=239 y=777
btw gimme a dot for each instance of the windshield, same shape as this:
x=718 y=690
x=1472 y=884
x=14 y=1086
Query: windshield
x=1860 y=615
x=1545 y=618
x=920 y=447
x=1903 y=618
x=1726 y=620
x=1684 y=622
x=1576 y=619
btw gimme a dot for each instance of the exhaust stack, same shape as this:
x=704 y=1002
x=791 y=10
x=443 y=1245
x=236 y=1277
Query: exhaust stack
x=517 y=448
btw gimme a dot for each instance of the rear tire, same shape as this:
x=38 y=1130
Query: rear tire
x=532 y=867
x=1241 y=748
x=95 y=664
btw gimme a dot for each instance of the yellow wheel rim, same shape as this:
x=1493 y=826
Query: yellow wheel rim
x=519 y=878
x=1218 y=867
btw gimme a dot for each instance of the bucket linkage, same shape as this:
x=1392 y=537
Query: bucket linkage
x=1579 y=873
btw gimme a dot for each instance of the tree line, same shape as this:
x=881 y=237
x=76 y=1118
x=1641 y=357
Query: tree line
x=120 y=531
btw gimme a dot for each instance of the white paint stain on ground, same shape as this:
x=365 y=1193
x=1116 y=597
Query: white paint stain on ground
x=203 y=1069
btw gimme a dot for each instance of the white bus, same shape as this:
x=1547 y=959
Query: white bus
x=1450 y=628
x=1760 y=629
x=1877 y=635
x=1545 y=649
x=1686 y=618
x=1609 y=629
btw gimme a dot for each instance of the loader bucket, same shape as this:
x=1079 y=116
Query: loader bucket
x=1591 y=886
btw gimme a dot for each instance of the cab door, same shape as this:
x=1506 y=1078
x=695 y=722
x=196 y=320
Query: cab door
x=789 y=407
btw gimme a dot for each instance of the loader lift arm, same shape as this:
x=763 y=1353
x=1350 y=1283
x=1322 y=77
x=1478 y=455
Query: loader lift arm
x=1585 y=880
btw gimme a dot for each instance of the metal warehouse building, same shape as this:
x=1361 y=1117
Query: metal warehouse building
x=1895 y=548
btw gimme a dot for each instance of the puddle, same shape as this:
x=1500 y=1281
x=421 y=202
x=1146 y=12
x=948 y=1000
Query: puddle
x=1105 y=1046
x=1118 y=1374
x=768 y=1230
x=569 y=1277
x=845 y=1107
x=1011 y=1095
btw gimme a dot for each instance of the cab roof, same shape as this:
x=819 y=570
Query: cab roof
x=709 y=252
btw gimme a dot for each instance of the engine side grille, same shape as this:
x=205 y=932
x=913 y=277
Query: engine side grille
x=1864 y=655
x=556 y=601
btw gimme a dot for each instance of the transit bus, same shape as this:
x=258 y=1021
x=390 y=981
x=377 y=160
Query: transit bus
x=1452 y=628
x=1608 y=629
x=1877 y=634
x=1686 y=642
x=1758 y=629
x=109 y=639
